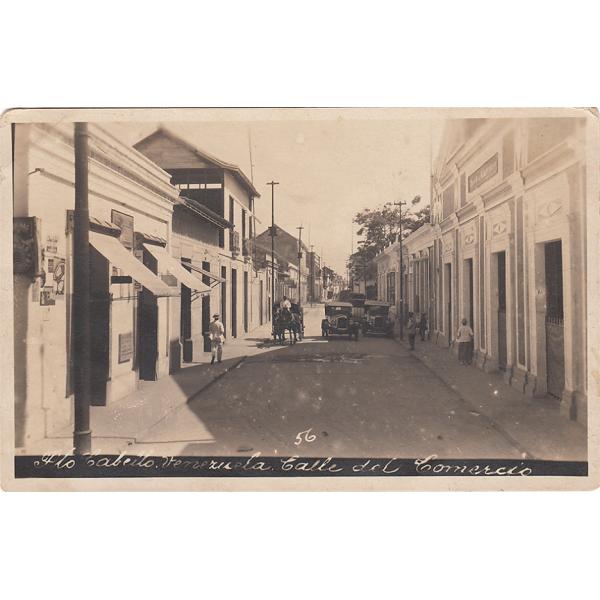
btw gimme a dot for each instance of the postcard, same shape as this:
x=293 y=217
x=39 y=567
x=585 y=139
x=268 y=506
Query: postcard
x=300 y=299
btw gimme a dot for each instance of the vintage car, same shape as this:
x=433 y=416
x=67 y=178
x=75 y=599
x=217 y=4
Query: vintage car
x=376 y=319
x=341 y=321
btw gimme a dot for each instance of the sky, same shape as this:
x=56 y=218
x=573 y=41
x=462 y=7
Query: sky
x=330 y=164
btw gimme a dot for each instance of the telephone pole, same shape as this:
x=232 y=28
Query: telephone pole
x=272 y=302
x=400 y=205
x=82 y=434
x=312 y=271
x=299 y=264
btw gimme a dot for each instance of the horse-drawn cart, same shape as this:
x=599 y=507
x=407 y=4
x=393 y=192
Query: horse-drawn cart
x=290 y=320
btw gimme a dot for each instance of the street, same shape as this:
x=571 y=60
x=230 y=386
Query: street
x=329 y=397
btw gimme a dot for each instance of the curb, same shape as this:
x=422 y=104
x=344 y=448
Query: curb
x=140 y=434
x=215 y=379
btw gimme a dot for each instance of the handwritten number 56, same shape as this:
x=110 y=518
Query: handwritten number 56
x=305 y=436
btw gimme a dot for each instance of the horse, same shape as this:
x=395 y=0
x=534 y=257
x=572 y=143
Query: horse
x=283 y=321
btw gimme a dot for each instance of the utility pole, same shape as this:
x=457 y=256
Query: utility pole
x=299 y=263
x=82 y=434
x=400 y=205
x=312 y=272
x=272 y=302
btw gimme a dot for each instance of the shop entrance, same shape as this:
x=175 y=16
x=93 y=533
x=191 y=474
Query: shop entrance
x=260 y=302
x=224 y=297
x=206 y=308
x=555 y=341
x=245 y=301
x=148 y=326
x=233 y=302
x=186 y=316
x=469 y=275
x=501 y=270
x=448 y=299
x=99 y=327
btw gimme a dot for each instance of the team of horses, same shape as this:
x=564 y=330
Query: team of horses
x=286 y=320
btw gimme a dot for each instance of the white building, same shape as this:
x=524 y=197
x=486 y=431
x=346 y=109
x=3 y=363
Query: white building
x=131 y=206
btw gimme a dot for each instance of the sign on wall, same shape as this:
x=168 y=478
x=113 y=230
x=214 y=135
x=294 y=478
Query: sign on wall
x=47 y=297
x=486 y=171
x=125 y=222
x=26 y=259
x=125 y=347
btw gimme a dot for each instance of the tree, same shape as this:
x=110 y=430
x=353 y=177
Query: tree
x=379 y=228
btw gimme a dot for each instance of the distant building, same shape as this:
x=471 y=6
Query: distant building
x=286 y=252
x=212 y=235
x=315 y=282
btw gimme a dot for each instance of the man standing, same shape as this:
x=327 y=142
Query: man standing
x=216 y=332
x=411 y=330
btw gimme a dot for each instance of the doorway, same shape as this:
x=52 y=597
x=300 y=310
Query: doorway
x=206 y=308
x=554 y=321
x=99 y=327
x=501 y=270
x=186 y=316
x=233 y=302
x=448 y=299
x=148 y=325
x=224 y=297
x=260 y=302
x=245 y=301
x=468 y=274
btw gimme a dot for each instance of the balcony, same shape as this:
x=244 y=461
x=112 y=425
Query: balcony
x=234 y=242
x=247 y=247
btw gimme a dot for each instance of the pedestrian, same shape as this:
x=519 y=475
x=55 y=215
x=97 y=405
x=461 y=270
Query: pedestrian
x=464 y=337
x=216 y=331
x=411 y=330
x=325 y=327
x=423 y=326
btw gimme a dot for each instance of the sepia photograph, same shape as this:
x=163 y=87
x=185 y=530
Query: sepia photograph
x=313 y=297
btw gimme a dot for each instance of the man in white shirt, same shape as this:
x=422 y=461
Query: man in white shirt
x=216 y=331
x=285 y=303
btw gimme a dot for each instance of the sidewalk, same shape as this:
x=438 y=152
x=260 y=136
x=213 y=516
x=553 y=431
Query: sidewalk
x=534 y=425
x=118 y=425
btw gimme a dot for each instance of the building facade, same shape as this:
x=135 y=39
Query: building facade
x=315 y=278
x=508 y=252
x=213 y=233
x=131 y=207
x=293 y=270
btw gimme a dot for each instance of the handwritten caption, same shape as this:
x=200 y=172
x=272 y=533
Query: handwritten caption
x=257 y=464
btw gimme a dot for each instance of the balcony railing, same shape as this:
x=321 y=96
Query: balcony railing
x=247 y=247
x=234 y=242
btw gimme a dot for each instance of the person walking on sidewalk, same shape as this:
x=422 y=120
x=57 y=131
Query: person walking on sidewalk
x=464 y=336
x=325 y=328
x=423 y=326
x=216 y=331
x=411 y=330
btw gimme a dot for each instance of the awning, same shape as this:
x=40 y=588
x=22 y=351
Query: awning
x=217 y=278
x=169 y=263
x=112 y=249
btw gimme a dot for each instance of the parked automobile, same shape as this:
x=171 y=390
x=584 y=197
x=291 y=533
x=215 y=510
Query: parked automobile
x=341 y=320
x=376 y=319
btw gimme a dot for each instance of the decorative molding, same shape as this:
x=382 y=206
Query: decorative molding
x=498 y=228
x=466 y=212
x=500 y=191
x=548 y=210
x=549 y=163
